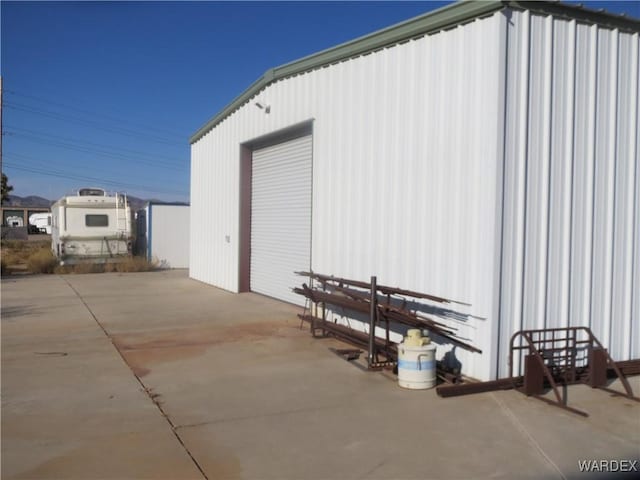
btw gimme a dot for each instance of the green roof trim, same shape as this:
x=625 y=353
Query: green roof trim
x=447 y=16
x=440 y=19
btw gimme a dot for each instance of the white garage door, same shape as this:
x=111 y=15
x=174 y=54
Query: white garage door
x=281 y=218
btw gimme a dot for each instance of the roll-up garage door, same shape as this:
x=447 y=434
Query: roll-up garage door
x=281 y=217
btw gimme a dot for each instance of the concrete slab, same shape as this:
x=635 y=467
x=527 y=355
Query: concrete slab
x=70 y=406
x=154 y=375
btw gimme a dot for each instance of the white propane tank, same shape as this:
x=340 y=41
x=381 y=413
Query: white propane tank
x=416 y=361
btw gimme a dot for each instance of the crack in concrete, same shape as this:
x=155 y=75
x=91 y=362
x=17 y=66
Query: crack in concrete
x=262 y=415
x=369 y=473
x=523 y=430
x=152 y=396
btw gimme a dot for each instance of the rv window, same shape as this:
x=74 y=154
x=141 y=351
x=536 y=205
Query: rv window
x=96 y=220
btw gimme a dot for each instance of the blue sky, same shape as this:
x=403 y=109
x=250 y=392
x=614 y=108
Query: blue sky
x=107 y=94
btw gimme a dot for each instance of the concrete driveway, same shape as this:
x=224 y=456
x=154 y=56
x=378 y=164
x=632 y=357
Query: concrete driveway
x=154 y=375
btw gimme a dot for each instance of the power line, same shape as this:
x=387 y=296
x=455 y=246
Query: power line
x=59 y=174
x=89 y=123
x=94 y=113
x=54 y=173
x=171 y=160
x=100 y=153
x=39 y=163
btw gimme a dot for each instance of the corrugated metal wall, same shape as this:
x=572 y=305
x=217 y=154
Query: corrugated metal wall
x=405 y=172
x=414 y=146
x=571 y=211
x=168 y=234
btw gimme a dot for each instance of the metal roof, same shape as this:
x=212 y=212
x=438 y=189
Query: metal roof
x=431 y=22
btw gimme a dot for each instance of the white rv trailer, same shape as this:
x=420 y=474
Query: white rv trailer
x=15 y=221
x=91 y=226
x=41 y=221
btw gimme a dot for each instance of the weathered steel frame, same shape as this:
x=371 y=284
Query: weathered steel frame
x=381 y=312
x=536 y=368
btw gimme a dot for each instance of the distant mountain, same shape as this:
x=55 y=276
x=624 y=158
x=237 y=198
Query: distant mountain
x=30 y=201
x=136 y=203
x=39 y=202
x=34 y=201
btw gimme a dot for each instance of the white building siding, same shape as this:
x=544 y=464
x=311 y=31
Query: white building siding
x=405 y=177
x=495 y=163
x=168 y=234
x=571 y=189
x=214 y=214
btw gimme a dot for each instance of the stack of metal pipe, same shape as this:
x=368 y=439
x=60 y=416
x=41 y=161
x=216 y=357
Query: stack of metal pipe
x=391 y=305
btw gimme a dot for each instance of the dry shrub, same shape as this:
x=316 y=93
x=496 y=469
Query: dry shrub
x=15 y=245
x=16 y=253
x=135 y=264
x=37 y=257
x=10 y=257
x=131 y=264
x=63 y=269
x=109 y=267
x=82 y=267
x=88 y=267
x=41 y=261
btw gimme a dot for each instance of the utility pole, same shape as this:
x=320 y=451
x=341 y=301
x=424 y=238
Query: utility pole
x=1 y=131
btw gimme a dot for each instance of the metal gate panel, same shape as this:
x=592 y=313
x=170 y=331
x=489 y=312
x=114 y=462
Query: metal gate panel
x=281 y=217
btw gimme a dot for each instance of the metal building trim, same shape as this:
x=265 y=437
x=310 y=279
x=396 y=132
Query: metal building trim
x=440 y=19
x=443 y=18
x=149 y=237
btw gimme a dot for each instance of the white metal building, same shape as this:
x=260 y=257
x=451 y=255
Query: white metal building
x=163 y=234
x=486 y=152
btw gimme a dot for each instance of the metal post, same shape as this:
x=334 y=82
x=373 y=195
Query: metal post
x=373 y=313
x=1 y=131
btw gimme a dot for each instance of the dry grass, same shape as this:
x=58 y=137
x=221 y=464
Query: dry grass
x=41 y=261
x=135 y=264
x=17 y=253
x=131 y=264
x=83 y=267
x=37 y=257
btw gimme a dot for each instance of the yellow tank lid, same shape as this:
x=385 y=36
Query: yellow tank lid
x=414 y=338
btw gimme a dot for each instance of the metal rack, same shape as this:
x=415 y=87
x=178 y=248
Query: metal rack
x=558 y=357
x=553 y=358
x=383 y=305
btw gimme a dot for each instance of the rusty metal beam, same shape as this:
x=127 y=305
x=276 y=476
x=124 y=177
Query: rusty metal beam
x=373 y=322
x=384 y=308
x=627 y=367
x=354 y=337
x=361 y=339
x=478 y=387
x=360 y=304
x=381 y=288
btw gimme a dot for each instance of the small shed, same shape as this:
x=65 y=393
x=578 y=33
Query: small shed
x=162 y=233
